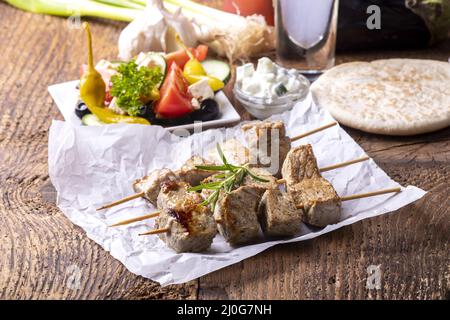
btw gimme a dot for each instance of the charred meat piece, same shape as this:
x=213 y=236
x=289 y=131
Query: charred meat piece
x=268 y=144
x=190 y=174
x=300 y=164
x=191 y=227
x=321 y=204
x=238 y=216
x=174 y=192
x=258 y=186
x=151 y=184
x=278 y=214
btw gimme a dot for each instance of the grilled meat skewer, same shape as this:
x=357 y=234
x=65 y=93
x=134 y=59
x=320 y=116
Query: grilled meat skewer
x=190 y=227
x=150 y=185
x=278 y=214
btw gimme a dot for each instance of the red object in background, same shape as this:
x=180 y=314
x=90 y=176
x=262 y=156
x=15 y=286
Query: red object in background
x=249 y=7
x=181 y=58
x=175 y=99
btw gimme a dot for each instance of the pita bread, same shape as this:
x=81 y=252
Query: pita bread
x=393 y=97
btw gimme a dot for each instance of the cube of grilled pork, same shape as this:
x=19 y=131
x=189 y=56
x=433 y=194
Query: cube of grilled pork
x=191 y=174
x=175 y=192
x=278 y=214
x=238 y=216
x=259 y=186
x=235 y=152
x=268 y=144
x=300 y=164
x=151 y=184
x=191 y=226
x=321 y=204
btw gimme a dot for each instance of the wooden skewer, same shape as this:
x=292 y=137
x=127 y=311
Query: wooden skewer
x=116 y=203
x=313 y=131
x=148 y=216
x=344 y=164
x=364 y=195
x=163 y=230
x=335 y=166
x=370 y=194
x=156 y=231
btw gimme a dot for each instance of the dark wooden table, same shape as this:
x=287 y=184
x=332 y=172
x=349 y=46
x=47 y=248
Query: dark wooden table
x=41 y=252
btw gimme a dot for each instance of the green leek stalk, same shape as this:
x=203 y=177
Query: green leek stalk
x=77 y=8
x=130 y=4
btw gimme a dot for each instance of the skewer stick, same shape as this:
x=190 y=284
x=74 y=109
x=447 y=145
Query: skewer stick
x=156 y=231
x=364 y=195
x=164 y=230
x=335 y=166
x=148 y=216
x=116 y=203
x=313 y=131
x=370 y=194
x=344 y=164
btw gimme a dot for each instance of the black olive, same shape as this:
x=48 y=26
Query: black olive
x=174 y=122
x=81 y=109
x=209 y=110
x=146 y=111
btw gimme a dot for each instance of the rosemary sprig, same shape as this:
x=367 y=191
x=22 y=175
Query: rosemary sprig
x=229 y=179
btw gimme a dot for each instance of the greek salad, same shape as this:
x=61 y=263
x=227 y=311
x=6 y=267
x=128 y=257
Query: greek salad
x=153 y=88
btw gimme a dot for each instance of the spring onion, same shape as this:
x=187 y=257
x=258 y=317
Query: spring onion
x=127 y=11
x=229 y=35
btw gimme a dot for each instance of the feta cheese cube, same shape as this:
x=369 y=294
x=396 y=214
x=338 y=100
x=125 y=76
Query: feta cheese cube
x=245 y=71
x=293 y=85
x=201 y=90
x=268 y=77
x=195 y=104
x=251 y=88
x=265 y=65
x=281 y=77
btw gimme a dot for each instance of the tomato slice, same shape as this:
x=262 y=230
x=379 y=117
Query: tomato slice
x=181 y=58
x=201 y=52
x=175 y=99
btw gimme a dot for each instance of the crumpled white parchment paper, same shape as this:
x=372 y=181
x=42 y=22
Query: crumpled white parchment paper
x=91 y=166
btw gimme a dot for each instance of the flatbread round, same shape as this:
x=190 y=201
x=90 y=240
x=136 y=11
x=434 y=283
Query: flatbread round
x=393 y=97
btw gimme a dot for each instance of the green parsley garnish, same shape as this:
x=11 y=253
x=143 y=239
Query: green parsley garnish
x=229 y=179
x=134 y=86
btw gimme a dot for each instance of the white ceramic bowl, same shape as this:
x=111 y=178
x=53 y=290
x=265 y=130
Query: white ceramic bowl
x=263 y=108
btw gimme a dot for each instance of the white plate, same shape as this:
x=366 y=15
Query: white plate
x=65 y=96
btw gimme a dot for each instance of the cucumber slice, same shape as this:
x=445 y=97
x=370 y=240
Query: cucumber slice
x=219 y=69
x=91 y=120
x=281 y=90
x=154 y=59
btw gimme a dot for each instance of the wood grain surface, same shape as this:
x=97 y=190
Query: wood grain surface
x=44 y=256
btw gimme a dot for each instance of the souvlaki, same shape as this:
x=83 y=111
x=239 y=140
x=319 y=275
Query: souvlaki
x=241 y=202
